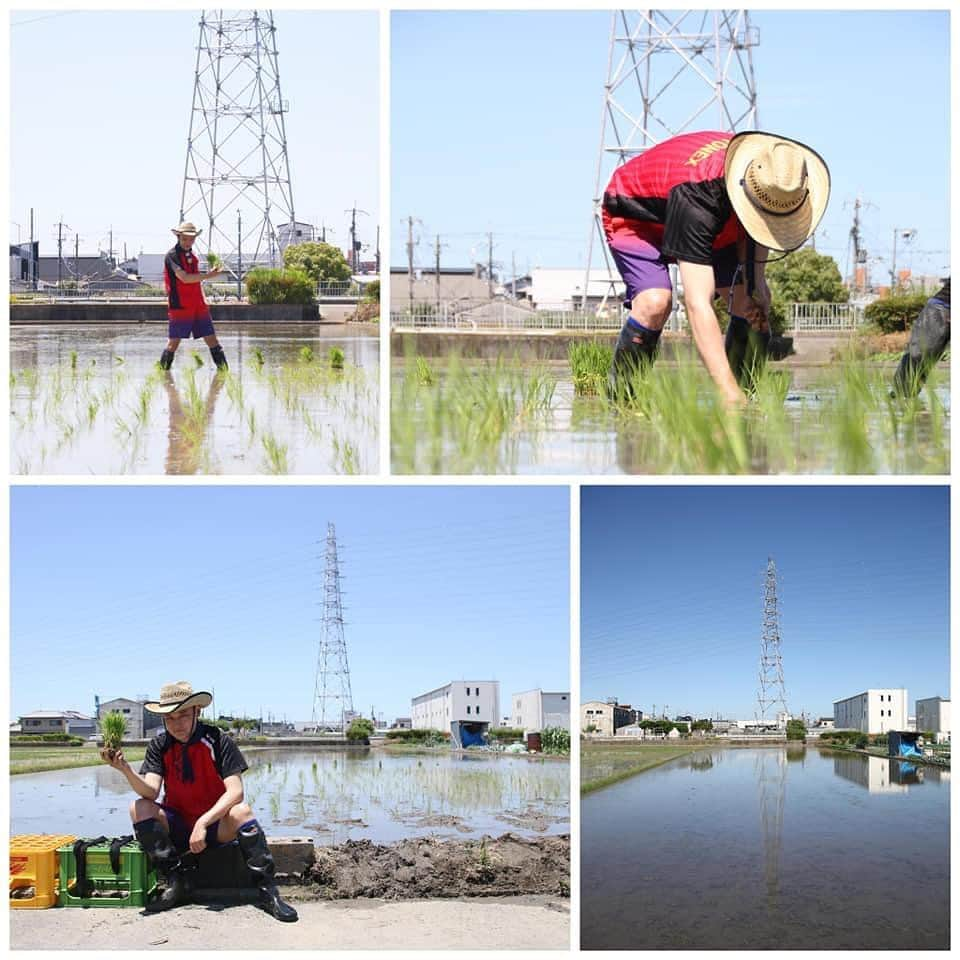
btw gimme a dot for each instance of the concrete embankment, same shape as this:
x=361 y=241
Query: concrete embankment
x=547 y=345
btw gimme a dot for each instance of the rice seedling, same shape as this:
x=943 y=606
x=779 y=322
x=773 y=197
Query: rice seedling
x=590 y=365
x=425 y=376
x=73 y=360
x=276 y=454
x=335 y=357
x=258 y=358
x=346 y=456
x=305 y=354
x=197 y=359
x=113 y=726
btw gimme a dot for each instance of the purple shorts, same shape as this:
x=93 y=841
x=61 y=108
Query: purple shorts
x=181 y=828
x=643 y=267
x=196 y=327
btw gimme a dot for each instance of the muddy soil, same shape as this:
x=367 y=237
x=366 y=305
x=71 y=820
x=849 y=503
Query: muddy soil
x=424 y=867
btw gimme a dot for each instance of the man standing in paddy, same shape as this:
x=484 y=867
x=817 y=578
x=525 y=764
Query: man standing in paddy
x=199 y=768
x=714 y=203
x=188 y=314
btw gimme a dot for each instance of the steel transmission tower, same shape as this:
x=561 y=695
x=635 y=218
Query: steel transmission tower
x=236 y=181
x=771 y=691
x=669 y=72
x=332 y=698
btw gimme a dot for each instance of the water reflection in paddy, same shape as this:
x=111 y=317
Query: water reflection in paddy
x=88 y=399
x=768 y=848
x=331 y=796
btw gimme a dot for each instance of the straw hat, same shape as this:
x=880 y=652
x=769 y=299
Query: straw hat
x=779 y=188
x=187 y=228
x=176 y=696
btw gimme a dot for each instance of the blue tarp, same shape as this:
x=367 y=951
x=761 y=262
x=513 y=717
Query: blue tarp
x=469 y=739
x=909 y=750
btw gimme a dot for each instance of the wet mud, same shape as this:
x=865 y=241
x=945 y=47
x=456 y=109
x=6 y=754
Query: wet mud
x=425 y=867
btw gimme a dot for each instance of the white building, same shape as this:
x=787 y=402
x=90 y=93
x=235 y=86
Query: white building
x=603 y=719
x=874 y=711
x=534 y=711
x=562 y=289
x=933 y=714
x=462 y=701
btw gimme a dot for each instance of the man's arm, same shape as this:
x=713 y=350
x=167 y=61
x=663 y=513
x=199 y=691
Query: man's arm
x=232 y=795
x=185 y=277
x=698 y=292
x=146 y=785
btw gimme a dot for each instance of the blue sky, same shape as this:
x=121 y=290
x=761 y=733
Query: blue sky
x=509 y=143
x=116 y=590
x=672 y=591
x=101 y=110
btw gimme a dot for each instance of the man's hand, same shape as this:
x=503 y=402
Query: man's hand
x=118 y=762
x=198 y=837
x=210 y=274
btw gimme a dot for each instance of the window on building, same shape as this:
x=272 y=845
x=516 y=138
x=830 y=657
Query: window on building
x=468 y=710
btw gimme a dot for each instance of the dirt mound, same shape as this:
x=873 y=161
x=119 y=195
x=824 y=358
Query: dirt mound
x=424 y=867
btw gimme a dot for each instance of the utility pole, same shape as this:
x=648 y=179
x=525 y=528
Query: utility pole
x=112 y=264
x=437 y=271
x=239 y=258
x=378 y=250
x=410 y=259
x=490 y=265
x=33 y=262
x=907 y=234
x=513 y=267
x=60 y=227
x=76 y=260
x=354 y=246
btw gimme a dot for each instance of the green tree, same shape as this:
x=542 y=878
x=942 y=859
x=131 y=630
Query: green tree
x=806 y=276
x=796 y=730
x=360 y=730
x=702 y=724
x=319 y=261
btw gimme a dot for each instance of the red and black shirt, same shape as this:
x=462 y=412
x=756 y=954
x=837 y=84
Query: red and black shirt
x=675 y=196
x=184 y=299
x=193 y=772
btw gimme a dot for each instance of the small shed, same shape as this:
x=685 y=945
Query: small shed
x=903 y=743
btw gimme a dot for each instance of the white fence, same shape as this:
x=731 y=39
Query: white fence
x=465 y=315
x=824 y=317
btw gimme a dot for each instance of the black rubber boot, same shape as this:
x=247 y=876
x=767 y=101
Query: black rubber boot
x=746 y=350
x=635 y=351
x=166 y=360
x=929 y=337
x=253 y=846
x=159 y=848
x=735 y=344
x=218 y=358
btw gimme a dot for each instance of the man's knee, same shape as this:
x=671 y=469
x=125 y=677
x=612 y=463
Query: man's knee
x=652 y=307
x=173 y=343
x=143 y=809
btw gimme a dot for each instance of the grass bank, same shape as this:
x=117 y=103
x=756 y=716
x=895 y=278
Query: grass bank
x=39 y=759
x=603 y=764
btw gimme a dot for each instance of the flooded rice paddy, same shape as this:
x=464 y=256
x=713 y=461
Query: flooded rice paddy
x=332 y=796
x=763 y=848
x=463 y=417
x=90 y=400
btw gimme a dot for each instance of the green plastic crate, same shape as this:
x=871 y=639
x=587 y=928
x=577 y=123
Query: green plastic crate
x=133 y=886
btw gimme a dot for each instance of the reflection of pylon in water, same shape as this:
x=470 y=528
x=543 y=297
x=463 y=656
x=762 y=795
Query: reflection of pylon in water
x=669 y=72
x=771 y=771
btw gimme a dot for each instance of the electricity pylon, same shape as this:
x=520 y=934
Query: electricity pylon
x=332 y=697
x=236 y=180
x=771 y=690
x=670 y=72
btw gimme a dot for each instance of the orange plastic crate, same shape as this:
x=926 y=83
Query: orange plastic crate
x=34 y=870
